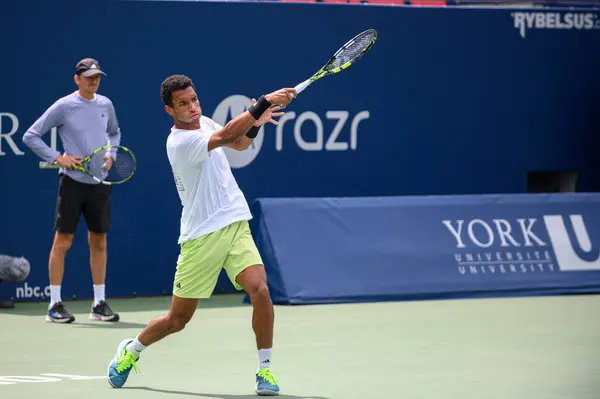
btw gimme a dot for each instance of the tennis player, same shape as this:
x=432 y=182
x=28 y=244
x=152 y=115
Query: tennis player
x=214 y=231
x=83 y=120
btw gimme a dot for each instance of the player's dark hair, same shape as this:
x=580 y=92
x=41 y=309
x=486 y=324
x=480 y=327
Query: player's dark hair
x=174 y=83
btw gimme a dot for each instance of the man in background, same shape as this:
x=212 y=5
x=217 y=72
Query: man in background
x=85 y=121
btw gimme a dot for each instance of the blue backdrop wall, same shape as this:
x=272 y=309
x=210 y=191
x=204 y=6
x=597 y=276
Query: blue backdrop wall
x=449 y=101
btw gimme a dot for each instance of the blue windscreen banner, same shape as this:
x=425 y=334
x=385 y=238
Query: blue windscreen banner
x=329 y=250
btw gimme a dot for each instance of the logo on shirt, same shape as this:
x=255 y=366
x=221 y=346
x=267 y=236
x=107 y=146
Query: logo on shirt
x=178 y=181
x=228 y=109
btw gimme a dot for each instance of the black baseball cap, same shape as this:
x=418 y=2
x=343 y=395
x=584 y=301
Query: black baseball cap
x=88 y=67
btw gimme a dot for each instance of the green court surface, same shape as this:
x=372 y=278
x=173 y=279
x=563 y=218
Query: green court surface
x=526 y=348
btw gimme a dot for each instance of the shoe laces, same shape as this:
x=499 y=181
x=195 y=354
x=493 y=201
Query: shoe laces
x=266 y=374
x=127 y=361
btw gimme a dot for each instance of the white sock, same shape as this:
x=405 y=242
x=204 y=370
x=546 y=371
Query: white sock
x=54 y=294
x=135 y=346
x=264 y=358
x=98 y=294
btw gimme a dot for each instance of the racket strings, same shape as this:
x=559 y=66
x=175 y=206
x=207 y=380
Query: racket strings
x=352 y=50
x=123 y=165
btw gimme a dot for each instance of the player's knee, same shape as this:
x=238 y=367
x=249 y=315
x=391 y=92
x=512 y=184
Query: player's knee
x=62 y=243
x=259 y=291
x=176 y=323
x=97 y=241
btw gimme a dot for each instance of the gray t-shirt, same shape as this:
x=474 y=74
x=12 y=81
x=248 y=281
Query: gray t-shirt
x=83 y=126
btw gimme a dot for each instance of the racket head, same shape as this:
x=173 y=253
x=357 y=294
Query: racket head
x=122 y=169
x=350 y=52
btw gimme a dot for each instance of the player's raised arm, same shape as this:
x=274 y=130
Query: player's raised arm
x=238 y=126
x=246 y=140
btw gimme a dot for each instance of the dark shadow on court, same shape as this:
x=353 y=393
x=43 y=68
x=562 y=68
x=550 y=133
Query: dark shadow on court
x=217 y=395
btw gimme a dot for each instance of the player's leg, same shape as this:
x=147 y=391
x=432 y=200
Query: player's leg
x=198 y=268
x=129 y=350
x=180 y=313
x=245 y=269
x=68 y=209
x=96 y=211
x=254 y=281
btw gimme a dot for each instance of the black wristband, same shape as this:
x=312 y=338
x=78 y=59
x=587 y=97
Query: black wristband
x=259 y=108
x=252 y=132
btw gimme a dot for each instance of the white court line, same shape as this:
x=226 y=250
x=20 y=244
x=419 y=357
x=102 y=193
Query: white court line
x=74 y=377
x=45 y=377
x=20 y=379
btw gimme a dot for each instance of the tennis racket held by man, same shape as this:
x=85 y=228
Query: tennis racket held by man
x=107 y=165
x=344 y=57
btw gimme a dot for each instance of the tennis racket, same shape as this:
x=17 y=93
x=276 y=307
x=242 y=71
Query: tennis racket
x=94 y=165
x=347 y=55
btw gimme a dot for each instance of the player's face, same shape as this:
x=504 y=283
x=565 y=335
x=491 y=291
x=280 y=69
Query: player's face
x=88 y=85
x=186 y=107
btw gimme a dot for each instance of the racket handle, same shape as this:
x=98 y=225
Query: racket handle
x=49 y=165
x=300 y=87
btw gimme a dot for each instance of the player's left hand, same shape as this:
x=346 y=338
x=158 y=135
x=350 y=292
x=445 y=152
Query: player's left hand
x=108 y=163
x=268 y=115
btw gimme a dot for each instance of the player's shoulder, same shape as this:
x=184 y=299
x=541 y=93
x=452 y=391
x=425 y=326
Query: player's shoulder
x=178 y=137
x=206 y=119
x=178 y=143
x=66 y=100
x=173 y=141
x=173 y=137
x=208 y=122
x=66 y=103
x=103 y=100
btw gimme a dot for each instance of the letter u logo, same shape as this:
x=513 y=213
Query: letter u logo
x=572 y=244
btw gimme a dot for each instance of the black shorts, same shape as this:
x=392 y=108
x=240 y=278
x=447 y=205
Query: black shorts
x=75 y=198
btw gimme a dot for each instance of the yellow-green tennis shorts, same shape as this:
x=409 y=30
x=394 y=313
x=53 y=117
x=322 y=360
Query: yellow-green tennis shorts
x=201 y=260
